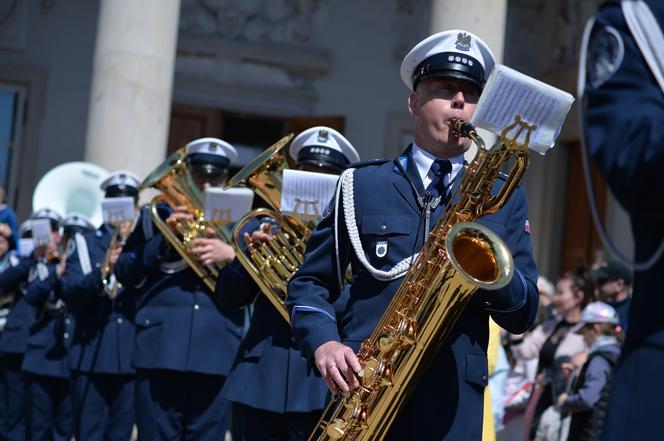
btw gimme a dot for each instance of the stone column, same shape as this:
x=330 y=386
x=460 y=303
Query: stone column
x=132 y=82
x=485 y=18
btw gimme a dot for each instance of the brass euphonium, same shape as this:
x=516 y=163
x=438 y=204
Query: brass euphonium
x=172 y=177
x=271 y=264
x=458 y=258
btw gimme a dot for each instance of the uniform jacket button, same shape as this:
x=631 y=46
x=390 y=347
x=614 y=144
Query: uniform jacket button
x=196 y=307
x=66 y=335
x=119 y=320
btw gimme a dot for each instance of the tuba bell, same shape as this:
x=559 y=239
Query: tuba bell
x=72 y=187
x=271 y=264
x=172 y=177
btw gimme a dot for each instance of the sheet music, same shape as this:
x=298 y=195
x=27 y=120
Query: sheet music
x=41 y=231
x=26 y=246
x=306 y=194
x=223 y=207
x=117 y=210
x=509 y=93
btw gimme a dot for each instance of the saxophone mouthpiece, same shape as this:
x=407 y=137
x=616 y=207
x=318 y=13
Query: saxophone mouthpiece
x=461 y=127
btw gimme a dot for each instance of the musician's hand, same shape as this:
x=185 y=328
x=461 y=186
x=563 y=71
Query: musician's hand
x=262 y=235
x=561 y=399
x=60 y=269
x=114 y=254
x=124 y=230
x=212 y=251
x=48 y=249
x=5 y=230
x=180 y=214
x=339 y=366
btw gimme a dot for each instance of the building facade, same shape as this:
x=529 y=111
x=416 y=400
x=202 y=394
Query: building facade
x=121 y=83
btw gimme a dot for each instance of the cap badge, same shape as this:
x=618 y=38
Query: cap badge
x=463 y=41
x=323 y=135
x=213 y=147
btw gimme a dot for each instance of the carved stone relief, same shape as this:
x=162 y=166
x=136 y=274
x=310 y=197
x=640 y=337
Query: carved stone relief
x=252 y=43
x=290 y=22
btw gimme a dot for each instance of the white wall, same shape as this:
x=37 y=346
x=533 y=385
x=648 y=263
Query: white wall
x=364 y=84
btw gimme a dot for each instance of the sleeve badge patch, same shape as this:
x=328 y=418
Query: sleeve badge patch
x=606 y=51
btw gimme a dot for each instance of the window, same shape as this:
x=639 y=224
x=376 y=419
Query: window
x=12 y=99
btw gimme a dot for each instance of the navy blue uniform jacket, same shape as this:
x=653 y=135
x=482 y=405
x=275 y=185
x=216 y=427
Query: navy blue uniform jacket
x=450 y=392
x=269 y=371
x=178 y=325
x=14 y=338
x=625 y=118
x=104 y=335
x=51 y=334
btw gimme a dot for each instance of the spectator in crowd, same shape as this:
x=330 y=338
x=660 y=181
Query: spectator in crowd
x=588 y=401
x=8 y=217
x=546 y=292
x=614 y=286
x=518 y=384
x=553 y=339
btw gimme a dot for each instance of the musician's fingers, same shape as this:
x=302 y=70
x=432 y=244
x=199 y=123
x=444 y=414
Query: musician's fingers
x=352 y=361
x=334 y=373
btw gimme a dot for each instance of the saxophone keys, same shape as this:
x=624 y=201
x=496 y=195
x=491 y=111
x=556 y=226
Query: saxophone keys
x=386 y=377
x=386 y=343
x=336 y=428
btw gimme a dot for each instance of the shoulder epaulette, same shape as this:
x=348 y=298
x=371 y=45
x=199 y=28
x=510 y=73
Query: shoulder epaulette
x=368 y=162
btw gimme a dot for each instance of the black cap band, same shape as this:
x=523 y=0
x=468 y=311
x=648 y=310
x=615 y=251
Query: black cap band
x=118 y=191
x=322 y=156
x=208 y=161
x=450 y=65
x=70 y=230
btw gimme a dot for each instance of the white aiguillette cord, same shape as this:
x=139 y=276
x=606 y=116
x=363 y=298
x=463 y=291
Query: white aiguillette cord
x=651 y=43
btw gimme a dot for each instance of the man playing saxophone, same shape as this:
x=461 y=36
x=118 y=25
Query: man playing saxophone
x=274 y=395
x=382 y=218
x=102 y=345
x=185 y=342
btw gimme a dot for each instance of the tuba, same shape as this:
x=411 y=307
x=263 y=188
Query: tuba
x=172 y=177
x=271 y=264
x=458 y=258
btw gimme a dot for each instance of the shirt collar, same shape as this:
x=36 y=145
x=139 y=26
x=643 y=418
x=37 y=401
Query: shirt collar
x=424 y=159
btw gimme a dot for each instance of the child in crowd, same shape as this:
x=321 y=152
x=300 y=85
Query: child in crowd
x=589 y=398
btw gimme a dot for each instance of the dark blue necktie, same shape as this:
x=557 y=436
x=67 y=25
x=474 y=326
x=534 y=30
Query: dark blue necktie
x=440 y=168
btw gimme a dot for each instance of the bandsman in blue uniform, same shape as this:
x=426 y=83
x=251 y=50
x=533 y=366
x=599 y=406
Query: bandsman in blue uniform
x=275 y=395
x=14 y=338
x=45 y=363
x=8 y=259
x=624 y=95
x=445 y=73
x=102 y=346
x=185 y=343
